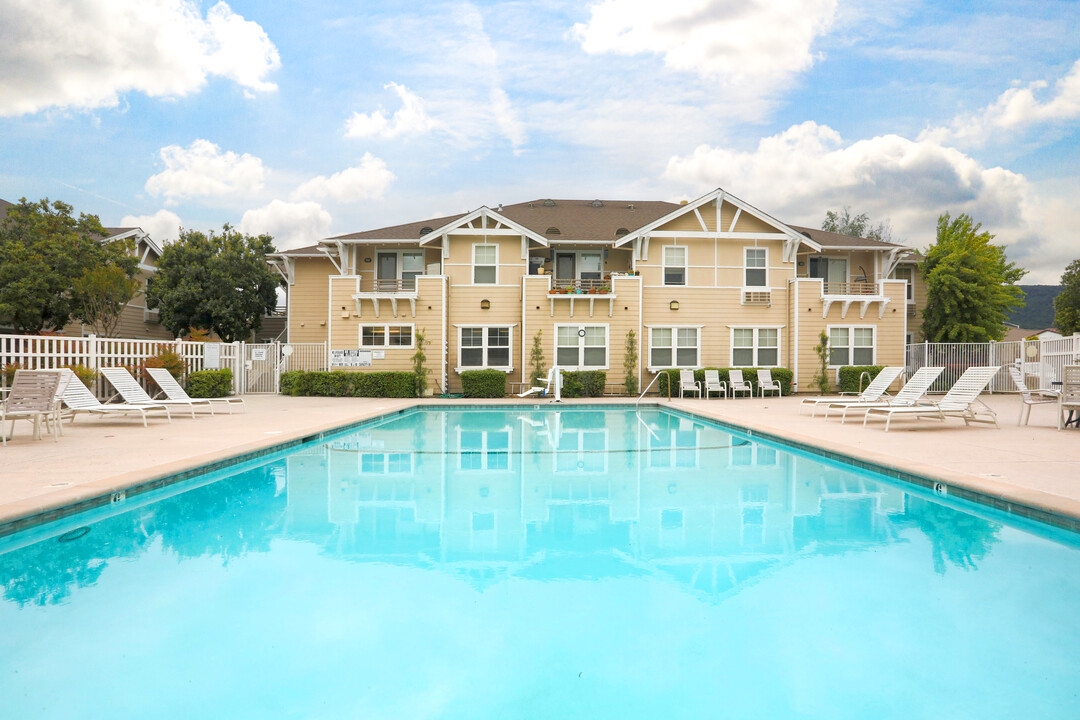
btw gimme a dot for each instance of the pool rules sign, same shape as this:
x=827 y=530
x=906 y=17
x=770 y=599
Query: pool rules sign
x=350 y=358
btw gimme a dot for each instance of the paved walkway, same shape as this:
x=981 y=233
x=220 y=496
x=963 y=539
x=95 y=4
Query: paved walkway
x=1034 y=465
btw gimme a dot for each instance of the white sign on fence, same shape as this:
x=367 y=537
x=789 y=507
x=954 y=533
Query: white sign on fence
x=211 y=356
x=258 y=353
x=350 y=358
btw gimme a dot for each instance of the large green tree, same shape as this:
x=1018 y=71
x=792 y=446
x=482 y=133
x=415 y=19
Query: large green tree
x=44 y=251
x=1067 y=302
x=843 y=222
x=970 y=284
x=217 y=281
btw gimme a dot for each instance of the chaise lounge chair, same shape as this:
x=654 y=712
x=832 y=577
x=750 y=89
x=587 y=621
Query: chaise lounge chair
x=872 y=393
x=133 y=394
x=958 y=402
x=174 y=391
x=79 y=399
x=909 y=396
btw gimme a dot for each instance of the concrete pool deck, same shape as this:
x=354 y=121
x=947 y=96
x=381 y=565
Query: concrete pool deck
x=1034 y=466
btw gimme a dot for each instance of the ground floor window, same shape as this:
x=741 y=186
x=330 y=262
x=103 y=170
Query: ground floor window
x=380 y=336
x=485 y=347
x=755 y=347
x=851 y=346
x=674 y=347
x=581 y=347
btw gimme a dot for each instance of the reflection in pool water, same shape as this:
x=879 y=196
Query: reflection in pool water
x=582 y=563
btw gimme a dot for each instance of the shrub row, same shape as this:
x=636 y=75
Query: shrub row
x=583 y=383
x=483 y=383
x=209 y=383
x=781 y=375
x=849 y=376
x=341 y=383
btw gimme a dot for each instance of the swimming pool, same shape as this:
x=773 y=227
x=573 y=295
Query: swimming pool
x=587 y=562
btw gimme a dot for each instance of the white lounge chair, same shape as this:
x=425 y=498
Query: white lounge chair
x=174 y=391
x=765 y=382
x=1070 y=395
x=133 y=394
x=872 y=393
x=958 y=402
x=713 y=383
x=33 y=398
x=737 y=384
x=1030 y=397
x=910 y=395
x=79 y=399
x=687 y=383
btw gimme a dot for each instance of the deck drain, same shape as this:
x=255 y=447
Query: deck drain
x=72 y=535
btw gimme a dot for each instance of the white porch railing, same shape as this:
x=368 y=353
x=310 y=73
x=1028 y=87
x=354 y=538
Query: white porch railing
x=1042 y=361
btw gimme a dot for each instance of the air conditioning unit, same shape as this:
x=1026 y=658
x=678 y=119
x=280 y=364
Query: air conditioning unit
x=150 y=316
x=757 y=297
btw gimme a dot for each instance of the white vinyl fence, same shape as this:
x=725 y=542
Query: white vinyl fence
x=1042 y=361
x=256 y=367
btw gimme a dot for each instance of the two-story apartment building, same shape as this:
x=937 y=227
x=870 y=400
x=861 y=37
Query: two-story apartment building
x=714 y=282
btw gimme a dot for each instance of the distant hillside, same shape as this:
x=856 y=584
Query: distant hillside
x=1039 y=311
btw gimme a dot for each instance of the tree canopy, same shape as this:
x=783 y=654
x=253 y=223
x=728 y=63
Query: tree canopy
x=1067 y=302
x=970 y=284
x=845 y=223
x=44 y=251
x=216 y=281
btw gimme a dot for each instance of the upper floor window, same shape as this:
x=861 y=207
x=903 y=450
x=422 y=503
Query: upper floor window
x=829 y=269
x=485 y=264
x=851 y=346
x=757 y=264
x=674 y=265
x=906 y=272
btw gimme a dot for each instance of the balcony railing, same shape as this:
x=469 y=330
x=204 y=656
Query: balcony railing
x=388 y=285
x=851 y=288
x=585 y=285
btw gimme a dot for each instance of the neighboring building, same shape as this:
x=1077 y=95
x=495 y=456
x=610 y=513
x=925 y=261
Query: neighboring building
x=710 y=283
x=1013 y=334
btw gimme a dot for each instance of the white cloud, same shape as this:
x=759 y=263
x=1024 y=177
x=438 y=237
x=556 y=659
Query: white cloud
x=808 y=169
x=1015 y=110
x=203 y=169
x=409 y=119
x=292 y=225
x=367 y=181
x=753 y=47
x=163 y=226
x=85 y=54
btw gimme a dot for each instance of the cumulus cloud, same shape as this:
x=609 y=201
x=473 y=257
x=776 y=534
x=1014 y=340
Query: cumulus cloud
x=84 y=54
x=292 y=225
x=369 y=180
x=808 y=169
x=163 y=226
x=754 y=47
x=409 y=119
x=203 y=169
x=1014 y=110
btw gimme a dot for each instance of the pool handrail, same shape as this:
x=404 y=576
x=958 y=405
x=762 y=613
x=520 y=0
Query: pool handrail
x=647 y=388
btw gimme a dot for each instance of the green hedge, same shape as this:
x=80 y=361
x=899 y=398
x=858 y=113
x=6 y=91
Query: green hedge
x=209 y=383
x=340 y=383
x=781 y=375
x=583 y=383
x=483 y=383
x=849 y=376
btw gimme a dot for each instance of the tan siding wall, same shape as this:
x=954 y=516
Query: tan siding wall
x=719 y=263
x=465 y=311
x=308 y=298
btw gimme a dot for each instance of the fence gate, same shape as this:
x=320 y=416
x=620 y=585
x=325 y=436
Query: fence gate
x=261 y=367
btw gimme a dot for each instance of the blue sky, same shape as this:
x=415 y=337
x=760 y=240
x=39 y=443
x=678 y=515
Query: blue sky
x=306 y=120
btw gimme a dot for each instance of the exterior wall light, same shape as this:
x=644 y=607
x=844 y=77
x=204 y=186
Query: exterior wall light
x=485 y=304
x=674 y=305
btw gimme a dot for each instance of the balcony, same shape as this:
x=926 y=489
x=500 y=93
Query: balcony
x=577 y=290
x=390 y=290
x=387 y=285
x=851 y=288
x=584 y=285
x=859 y=292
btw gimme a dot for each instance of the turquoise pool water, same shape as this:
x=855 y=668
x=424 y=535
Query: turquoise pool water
x=540 y=564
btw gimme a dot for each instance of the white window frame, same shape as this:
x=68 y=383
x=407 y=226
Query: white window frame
x=473 y=265
x=386 y=336
x=685 y=266
x=757 y=346
x=851 y=343
x=485 y=327
x=674 y=347
x=581 y=345
x=910 y=293
x=746 y=268
x=485 y=451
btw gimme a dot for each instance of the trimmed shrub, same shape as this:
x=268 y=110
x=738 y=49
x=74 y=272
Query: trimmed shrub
x=584 y=383
x=86 y=375
x=849 y=376
x=9 y=372
x=290 y=382
x=483 y=383
x=166 y=357
x=209 y=383
x=383 y=384
x=341 y=383
x=781 y=375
